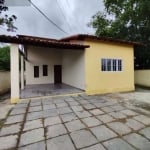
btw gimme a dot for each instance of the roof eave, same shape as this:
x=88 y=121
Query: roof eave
x=38 y=42
x=105 y=39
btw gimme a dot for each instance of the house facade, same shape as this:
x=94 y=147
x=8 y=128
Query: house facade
x=94 y=65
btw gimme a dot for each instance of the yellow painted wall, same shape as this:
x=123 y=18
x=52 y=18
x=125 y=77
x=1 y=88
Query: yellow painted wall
x=98 y=82
x=142 y=77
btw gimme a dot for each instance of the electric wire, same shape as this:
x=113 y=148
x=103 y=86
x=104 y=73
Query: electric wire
x=63 y=13
x=52 y=22
x=77 y=27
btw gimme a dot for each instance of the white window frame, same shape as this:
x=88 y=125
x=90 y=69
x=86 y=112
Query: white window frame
x=105 y=66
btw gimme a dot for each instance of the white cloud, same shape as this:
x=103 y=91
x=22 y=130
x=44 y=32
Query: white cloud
x=78 y=13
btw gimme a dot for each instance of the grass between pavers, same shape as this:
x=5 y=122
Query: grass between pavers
x=22 y=125
x=2 y=121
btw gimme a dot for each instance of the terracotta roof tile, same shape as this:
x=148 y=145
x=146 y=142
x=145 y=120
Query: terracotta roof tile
x=37 y=41
x=92 y=37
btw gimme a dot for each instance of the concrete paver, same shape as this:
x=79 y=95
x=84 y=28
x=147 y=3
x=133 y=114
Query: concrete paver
x=14 y=119
x=29 y=125
x=35 y=103
x=91 y=121
x=146 y=132
x=83 y=101
x=83 y=138
x=18 y=111
x=107 y=109
x=117 y=144
x=35 y=146
x=51 y=106
x=117 y=107
x=4 y=111
x=133 y=124
x=83 y=114
x=119 y=128
x=61 y=105
x=73 y=103
x=8 y=142
x=138 y=141
x=49 y=113
x=24 y=101
x=77 y=122
x=77 y=108
x=105 y=118
x=34 y=115
x=96 y=112
x=89 y=106
x=74 y=125
x=35 y=108
x=68 y=117
x=64 y=110
x=117 y=115
x=30 y=137
x=21 y=105
x=143 y=119
x=60 y=143
x=69 y=99
x=51 y=121
x=56 y=130
x=11 y=129
x=129 y=112
x=103 y=133
x=95 y=147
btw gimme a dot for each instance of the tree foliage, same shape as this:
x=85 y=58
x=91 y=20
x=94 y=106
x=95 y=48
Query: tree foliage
x=5 y=58
x=6 y=20
x=127 y=20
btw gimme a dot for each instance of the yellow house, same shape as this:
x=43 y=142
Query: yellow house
x=109 y=64
x=88 y=63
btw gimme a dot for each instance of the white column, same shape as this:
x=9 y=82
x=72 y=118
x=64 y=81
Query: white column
x=14 y=53
x=22 y=72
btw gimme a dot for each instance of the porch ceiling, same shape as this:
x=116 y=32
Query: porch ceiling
x=43 y=42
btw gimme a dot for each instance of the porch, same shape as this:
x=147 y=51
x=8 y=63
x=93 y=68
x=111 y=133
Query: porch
x=33 y=66
x=40 y=90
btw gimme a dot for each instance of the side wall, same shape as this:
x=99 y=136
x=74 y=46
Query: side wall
x=106 y=82
x=73 y=68
x=39 y=56
x=142 y=77
x=4 y=81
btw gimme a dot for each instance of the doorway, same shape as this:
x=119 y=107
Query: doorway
x=57 y=74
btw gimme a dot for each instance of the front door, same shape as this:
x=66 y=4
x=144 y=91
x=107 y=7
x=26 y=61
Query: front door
x=57 y=74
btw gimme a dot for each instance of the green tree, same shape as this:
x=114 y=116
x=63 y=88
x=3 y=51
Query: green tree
x=5 y=58
x=127 y=20
x=6 y=20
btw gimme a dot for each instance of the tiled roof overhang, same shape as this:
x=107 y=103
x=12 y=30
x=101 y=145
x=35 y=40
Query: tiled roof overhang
x=104 y=39
x=43 y=42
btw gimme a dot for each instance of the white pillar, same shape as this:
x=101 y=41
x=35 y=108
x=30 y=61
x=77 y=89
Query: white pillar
x=22 y=72
x=14 y=53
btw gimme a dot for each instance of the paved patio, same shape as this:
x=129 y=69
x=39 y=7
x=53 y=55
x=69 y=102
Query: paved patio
x=75 y=123
x=48 y=90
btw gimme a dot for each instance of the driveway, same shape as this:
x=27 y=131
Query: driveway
x=75 y=123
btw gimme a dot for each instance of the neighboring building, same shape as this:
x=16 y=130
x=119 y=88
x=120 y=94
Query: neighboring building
x=94 y=65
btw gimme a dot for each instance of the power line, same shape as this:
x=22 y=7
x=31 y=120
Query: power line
x=63 y=14
x=47 y=17
x=68 y=3
x=77 y=27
